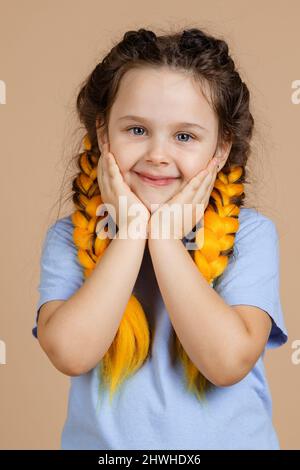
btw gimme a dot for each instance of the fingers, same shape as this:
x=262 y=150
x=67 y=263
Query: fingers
x=110 y=166
x=211 y=169
x=103 y=169
x=100 y=170
x=205 y=189
x=205 y=175
x=200 y=179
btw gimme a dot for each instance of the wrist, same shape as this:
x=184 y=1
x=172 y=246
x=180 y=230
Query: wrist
x=134 y=228
x=164 y=227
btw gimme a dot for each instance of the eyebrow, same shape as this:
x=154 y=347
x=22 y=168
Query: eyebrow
x=139 y=118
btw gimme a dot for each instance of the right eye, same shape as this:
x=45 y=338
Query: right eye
x=134 y=127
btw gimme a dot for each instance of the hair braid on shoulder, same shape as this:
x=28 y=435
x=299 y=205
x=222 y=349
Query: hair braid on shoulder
x=130 y=346
x=215 y=241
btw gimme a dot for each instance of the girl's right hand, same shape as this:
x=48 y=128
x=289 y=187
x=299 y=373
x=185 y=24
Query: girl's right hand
x=112 y=186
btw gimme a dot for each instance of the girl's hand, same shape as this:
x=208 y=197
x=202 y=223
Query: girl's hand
x=112 y=186
x=196 y=191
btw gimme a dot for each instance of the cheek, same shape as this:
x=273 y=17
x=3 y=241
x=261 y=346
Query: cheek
x=194 y=167
x=124 y=163
x=189 y=171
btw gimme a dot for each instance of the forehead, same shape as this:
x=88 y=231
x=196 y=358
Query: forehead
x=163 y=93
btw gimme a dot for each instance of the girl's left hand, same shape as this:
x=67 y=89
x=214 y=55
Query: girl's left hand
x=196 y=191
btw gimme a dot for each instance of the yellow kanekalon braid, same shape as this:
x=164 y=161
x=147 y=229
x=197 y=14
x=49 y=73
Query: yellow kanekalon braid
x=130 y=347
x=216 y=236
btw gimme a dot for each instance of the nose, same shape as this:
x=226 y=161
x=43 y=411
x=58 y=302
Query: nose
x=157 y=156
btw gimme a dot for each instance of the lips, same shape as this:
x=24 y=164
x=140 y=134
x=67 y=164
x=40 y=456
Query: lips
x=156 y=180
x=156 y=177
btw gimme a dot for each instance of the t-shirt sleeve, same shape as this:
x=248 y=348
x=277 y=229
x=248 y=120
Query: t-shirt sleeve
x=61 y=274
x=252 y=274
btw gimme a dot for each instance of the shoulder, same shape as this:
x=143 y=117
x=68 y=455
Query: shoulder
x=62 y=227
x=61 y=273
x=255 y=250
x=58 y=246
x=252 y=223
x=60 y=233
x=257 y=235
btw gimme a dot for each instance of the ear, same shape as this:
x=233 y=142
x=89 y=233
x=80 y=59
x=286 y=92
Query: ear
x=102 y=134
x=222 y=153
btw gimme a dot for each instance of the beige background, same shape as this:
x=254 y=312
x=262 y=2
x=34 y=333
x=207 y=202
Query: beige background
x=46 y=50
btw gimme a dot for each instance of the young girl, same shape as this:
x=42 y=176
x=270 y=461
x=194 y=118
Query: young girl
x=164 y=339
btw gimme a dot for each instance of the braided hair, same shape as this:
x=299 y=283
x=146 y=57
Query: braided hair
x=207 y=58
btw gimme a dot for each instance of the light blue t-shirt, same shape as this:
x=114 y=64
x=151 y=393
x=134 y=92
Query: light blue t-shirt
x=153 y=409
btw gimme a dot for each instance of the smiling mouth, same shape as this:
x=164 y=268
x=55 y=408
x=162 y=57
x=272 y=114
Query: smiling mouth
x=156 y=182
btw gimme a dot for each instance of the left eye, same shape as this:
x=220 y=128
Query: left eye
x=181 y=133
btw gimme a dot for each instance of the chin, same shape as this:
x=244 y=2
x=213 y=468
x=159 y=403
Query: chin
x=149 y=194
x=155 y=200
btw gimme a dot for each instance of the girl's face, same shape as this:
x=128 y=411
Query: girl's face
x=149 y=131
